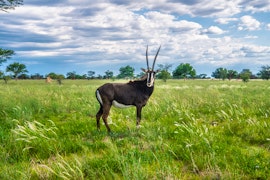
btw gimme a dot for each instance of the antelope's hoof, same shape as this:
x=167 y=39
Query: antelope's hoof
x=139 y=126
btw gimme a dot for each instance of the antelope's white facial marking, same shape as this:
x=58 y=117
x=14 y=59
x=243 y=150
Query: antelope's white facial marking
x=119 y=105
x=150 y=79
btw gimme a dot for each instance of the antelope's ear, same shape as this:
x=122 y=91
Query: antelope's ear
x=144 y=70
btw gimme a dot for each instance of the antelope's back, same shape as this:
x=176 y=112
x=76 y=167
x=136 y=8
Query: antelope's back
x=106 y=90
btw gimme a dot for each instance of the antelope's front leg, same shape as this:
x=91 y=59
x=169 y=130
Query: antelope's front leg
x=139 y=112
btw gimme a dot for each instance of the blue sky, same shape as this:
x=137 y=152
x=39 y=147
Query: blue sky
x=75 y=35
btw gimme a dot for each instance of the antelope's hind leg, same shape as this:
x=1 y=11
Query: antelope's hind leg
x=106 y=110
x=98 y=115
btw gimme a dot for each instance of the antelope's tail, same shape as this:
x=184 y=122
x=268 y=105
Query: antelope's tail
x=99 y=97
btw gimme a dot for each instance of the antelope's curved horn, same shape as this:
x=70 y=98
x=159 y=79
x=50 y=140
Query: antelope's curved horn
x=156 y=58
x=147 y=57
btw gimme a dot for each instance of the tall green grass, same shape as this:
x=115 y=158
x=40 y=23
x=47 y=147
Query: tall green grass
x=194 y=129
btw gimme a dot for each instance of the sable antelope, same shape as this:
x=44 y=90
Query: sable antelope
x=134 y=93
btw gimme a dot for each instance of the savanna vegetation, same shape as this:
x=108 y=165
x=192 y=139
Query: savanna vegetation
x=191 y=129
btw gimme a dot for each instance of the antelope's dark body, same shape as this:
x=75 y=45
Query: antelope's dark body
x=134 y=93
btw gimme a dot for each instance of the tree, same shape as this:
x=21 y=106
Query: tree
x=23 y=76
x=71 y=75
x=184 y=70
x=164 y=72
x=52 y=75
x=126 y=72
x=220 y=73
x=245 y=75
x=36 y=76
x=84 y=76
x=59 y=78
x=4 y=77
x=5 y=54
x=265 y=72
x=17 y=69
x=232 y=74
x=90 y=74
x=108 y=74
x=6 y=5
x=202 y=76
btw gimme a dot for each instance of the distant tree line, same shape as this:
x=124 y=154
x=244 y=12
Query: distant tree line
x=182 y=71
x=245 y=74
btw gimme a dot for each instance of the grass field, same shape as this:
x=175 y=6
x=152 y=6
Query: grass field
x=194 y=129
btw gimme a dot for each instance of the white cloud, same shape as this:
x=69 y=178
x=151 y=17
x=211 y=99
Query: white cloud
x=225 y=20
x=250 y=37
x=255 y=6
x=249 y=23
x=218 y=8
x=268 y=26
x=213 y=30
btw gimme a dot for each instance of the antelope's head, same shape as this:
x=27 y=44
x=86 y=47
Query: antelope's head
x=151 y=73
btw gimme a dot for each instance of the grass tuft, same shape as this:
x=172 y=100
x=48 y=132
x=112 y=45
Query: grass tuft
x=35 y=138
